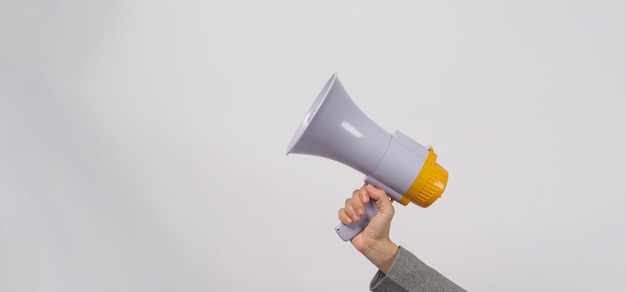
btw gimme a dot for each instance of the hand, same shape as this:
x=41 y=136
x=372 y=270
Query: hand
x=373 y=242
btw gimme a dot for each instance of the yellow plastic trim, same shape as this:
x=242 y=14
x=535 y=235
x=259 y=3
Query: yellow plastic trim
x=429 y=183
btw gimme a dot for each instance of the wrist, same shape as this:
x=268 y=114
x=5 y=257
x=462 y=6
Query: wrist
x=382 y=255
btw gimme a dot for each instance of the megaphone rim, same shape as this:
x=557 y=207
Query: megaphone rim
x=311 y=114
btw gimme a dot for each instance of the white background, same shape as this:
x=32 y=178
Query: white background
x=142 y=143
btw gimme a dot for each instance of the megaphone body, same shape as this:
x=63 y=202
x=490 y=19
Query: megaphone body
x=335 y=128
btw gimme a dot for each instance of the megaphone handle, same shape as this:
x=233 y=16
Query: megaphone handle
x=347 y=232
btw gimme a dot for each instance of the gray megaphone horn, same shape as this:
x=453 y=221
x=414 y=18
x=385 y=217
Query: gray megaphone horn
x=335 y=128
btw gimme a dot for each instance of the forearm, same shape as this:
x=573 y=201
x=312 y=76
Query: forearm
x=382 y=254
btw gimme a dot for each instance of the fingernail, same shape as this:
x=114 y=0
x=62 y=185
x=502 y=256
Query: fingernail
x=359 y=211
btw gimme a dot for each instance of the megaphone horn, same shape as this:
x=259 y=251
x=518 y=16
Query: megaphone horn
x=335 y=128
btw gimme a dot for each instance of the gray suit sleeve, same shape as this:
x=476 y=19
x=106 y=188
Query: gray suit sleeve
x=408 y=273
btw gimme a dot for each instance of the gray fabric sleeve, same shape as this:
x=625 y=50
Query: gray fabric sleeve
x=408 y=274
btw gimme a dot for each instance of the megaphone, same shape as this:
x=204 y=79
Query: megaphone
x=335 y=128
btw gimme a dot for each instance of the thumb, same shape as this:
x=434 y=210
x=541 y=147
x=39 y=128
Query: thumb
x=381 y=198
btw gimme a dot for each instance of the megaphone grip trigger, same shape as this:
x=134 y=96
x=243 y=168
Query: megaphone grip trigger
x=347 y=232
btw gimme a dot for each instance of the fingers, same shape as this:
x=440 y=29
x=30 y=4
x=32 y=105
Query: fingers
x=354 y=206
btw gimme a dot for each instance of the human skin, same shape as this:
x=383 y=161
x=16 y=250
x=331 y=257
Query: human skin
x=373 y=242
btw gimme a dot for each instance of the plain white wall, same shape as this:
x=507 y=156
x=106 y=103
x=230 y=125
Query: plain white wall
x=142 y=142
